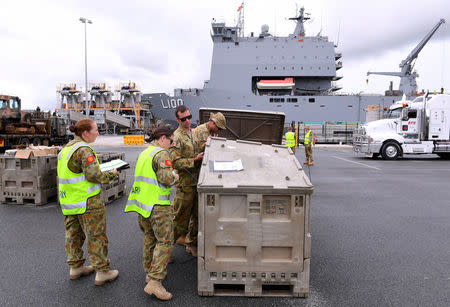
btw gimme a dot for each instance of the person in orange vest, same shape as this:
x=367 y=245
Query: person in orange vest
x=308 y=142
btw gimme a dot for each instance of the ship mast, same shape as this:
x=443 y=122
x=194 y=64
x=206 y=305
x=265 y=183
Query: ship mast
x=300 y=19
x=240 y=23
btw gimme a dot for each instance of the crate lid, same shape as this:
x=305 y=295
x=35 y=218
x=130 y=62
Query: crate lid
x=251 y=167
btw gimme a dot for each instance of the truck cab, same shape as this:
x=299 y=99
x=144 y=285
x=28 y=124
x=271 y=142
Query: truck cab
x=410 y=127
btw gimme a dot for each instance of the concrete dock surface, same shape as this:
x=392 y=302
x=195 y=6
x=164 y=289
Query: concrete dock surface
x=380 y=237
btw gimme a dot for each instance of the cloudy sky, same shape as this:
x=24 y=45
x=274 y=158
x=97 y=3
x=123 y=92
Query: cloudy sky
x=164 y=44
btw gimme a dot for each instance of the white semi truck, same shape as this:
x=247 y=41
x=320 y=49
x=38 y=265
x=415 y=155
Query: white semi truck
x=421 y=126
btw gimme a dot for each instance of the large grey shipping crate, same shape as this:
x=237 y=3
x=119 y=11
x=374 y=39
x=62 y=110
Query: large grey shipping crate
x=254 y=224
x=256 y=126
x=27 y=181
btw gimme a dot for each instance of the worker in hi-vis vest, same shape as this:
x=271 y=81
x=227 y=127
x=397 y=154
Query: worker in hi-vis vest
x=149 y=196
x=79 y=186
x=309 y=141
x=290 y=139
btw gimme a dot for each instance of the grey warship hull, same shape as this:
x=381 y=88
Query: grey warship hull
x=331 y=108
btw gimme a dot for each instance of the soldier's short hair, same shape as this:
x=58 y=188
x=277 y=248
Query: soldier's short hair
x=181 y=108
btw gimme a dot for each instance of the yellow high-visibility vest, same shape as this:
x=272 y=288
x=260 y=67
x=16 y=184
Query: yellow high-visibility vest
x=290 y=139
x=147 y=191
x=308 y=138
x=74 y=189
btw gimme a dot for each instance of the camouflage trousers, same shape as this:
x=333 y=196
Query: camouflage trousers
x=91 y=224
x=293 y=149
x=158 y=241
x=186 y=214
x=309 y=154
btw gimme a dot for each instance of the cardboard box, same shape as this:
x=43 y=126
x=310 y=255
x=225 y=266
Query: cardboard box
x=36 y=151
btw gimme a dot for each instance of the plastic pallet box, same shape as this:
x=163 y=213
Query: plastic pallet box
x=31 y=167
x=113 y=193
x=254 y=224
x=27 y=181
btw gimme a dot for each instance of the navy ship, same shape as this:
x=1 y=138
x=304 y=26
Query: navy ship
x=295 y=74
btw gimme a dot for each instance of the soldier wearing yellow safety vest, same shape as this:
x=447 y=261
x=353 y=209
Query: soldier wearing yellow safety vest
x=79 y=185
x=149 y=197
x=309 y=141
x=290 y=139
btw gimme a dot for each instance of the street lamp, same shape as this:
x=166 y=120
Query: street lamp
x=88 y=105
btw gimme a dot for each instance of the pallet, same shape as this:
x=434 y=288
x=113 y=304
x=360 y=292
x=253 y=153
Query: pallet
x=254 y=284
x=27 y=197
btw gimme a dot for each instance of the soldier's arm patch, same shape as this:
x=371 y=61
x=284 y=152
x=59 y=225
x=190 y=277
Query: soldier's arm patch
x=90 y=159
x=168 y=163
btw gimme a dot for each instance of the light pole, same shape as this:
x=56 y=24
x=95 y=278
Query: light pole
x=88 y=105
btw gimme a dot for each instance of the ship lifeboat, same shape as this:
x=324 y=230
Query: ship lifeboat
x=286 y=83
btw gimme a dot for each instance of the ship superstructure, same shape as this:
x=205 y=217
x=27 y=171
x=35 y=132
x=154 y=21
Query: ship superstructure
x=295 y=74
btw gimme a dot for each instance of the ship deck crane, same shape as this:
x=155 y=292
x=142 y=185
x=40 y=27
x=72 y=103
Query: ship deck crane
x=408 y=84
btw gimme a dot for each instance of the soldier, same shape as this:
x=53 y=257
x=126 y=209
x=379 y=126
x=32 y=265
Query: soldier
x=290 y=139
x=149 y=197
x=187 y=164
x=79 y=183
x=309 y=140
x=201 y=133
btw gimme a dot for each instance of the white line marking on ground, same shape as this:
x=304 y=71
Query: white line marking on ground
x=357 y=163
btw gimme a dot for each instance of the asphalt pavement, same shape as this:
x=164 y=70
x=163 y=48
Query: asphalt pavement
x=380 y=237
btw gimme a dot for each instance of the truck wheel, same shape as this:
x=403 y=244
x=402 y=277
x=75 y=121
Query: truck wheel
x=390 y=151
x=444 y=155
x=36 y=141
x=24 y=141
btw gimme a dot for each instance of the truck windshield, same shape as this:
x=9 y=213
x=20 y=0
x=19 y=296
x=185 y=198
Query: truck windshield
x=395 y=113
x=13 y=104
x=3 y=104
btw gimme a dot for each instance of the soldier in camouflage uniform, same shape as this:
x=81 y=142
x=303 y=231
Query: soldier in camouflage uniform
x=187 y=163
x=158 y=225
x=201 y=133
x=91 y=224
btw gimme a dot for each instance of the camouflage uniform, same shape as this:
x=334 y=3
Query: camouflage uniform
x=92 y=223
x=308 y=149
x=200 y=136
x=185 y=202
x=158 y=227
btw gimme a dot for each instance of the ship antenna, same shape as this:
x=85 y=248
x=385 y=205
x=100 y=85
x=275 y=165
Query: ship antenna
x=240 y=23
x=339 y=31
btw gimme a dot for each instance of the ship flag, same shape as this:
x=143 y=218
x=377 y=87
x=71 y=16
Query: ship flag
x=240 y=7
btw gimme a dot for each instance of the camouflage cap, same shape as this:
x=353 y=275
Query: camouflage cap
x=219 y=120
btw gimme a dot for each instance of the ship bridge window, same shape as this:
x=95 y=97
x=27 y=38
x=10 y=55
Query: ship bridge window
x=276 y=100
x=292 y=100
x=312 y=100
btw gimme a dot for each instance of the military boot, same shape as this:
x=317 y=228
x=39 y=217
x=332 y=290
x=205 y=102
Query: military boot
x=306 y=162
x=155 y=287
x=104 y=276
x=81 y=271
